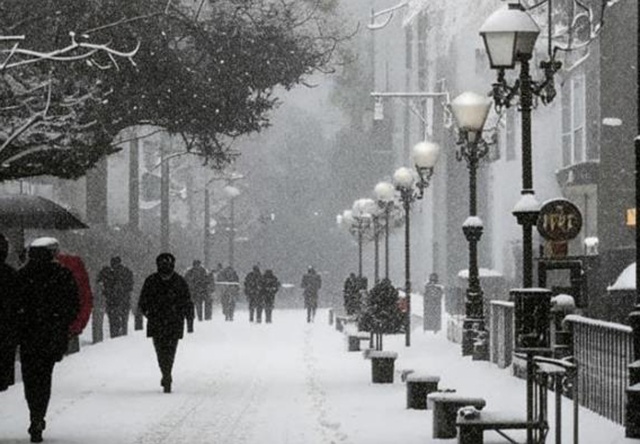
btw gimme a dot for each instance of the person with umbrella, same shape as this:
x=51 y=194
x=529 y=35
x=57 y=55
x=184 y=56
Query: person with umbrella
x=48 y=306
x=166 y=302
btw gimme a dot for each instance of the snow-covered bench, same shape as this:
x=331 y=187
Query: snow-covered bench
x=471 y=427
x=445 y=409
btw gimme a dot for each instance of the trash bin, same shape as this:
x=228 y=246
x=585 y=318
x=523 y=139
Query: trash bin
x=382 y=366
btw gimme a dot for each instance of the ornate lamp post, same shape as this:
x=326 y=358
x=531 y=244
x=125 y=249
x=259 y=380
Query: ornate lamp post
x=385 y=194
x=509 y=36
x=424 y=156
x=355 y=227
x=367 y=211
x=470 y=111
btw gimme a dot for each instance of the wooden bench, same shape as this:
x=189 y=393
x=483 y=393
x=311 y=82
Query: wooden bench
x=445 y=410
x=471 y=429
x=419 y=386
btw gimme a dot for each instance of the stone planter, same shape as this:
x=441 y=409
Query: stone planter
x=382 y=366
x=418 y=387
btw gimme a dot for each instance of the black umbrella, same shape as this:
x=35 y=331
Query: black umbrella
x=25 y=211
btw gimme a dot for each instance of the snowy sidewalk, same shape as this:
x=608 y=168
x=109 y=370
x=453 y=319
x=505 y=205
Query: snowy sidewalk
x=285 y=383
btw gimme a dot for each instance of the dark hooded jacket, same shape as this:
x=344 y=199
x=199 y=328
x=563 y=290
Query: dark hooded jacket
x=166 y=303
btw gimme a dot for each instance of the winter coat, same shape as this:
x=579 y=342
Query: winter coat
x=8 y=324
x=49 y=304
x=311 y=283
x=117 y=284
x=198 y=280
x=270 y=286
x=252 y=284
x=79 y=272
x=166 y=303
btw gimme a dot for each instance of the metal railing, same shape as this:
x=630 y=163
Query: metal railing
x=602 y=352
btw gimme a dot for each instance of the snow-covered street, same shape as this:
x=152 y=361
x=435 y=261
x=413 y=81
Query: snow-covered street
x=236 y=382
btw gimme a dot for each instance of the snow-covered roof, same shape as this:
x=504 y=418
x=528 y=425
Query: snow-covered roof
x=626 y=280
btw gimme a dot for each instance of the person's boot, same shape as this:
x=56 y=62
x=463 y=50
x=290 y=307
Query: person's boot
x=166 y=384
x=35 y=430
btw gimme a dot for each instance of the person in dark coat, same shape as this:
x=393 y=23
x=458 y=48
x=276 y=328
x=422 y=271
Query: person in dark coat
x=166 y=303
x=8 y=317
x=351 y=295
x=228 y=284
x=197 y=278
x=270 y=286
x=311 y=283
x=117 y=284
x=49 y=304
x=252 y=290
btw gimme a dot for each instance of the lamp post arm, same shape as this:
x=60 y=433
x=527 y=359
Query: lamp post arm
x=373 y=26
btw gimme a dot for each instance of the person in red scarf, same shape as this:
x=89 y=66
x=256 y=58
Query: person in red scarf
x=76 y=265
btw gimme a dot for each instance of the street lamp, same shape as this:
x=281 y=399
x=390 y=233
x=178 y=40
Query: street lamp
x=385 y=194
x=424 y=156
x=353 y=226
x=232 y=193
x=230 y=178
x=368 y=210
x=470 y=111
x=509 y=36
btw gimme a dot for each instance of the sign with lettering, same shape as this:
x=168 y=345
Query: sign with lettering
x=559 y=220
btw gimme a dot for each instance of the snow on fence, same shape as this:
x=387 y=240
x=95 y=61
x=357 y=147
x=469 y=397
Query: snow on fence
x=602 y=351
x=501 y=336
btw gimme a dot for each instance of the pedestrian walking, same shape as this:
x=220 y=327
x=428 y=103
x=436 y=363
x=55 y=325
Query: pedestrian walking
x=351 y=295
x=166 y=303
x=432 y=304
x=8 y=317
x=270 y=286
x=197 y=278
x=213 y=291
x=311 y=283
x=116 y=282
x=252 y=290
x=49 y=304
x=228 y=283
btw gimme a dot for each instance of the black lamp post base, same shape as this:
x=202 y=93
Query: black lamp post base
x=474 y=339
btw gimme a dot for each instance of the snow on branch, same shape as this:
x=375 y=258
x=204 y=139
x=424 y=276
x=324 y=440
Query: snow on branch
x=73 y=52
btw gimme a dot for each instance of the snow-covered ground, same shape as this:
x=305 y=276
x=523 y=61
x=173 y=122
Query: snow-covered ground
x=288 y=382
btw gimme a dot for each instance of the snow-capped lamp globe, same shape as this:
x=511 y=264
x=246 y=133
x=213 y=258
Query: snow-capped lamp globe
x=231 y=191
x=384 y=191
x=509 y=35
x=470 y=111
x=424 y=156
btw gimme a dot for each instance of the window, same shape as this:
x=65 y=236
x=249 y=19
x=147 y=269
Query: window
x=573 y=121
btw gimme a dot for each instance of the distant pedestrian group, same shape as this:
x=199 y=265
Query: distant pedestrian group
x=261 y=290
